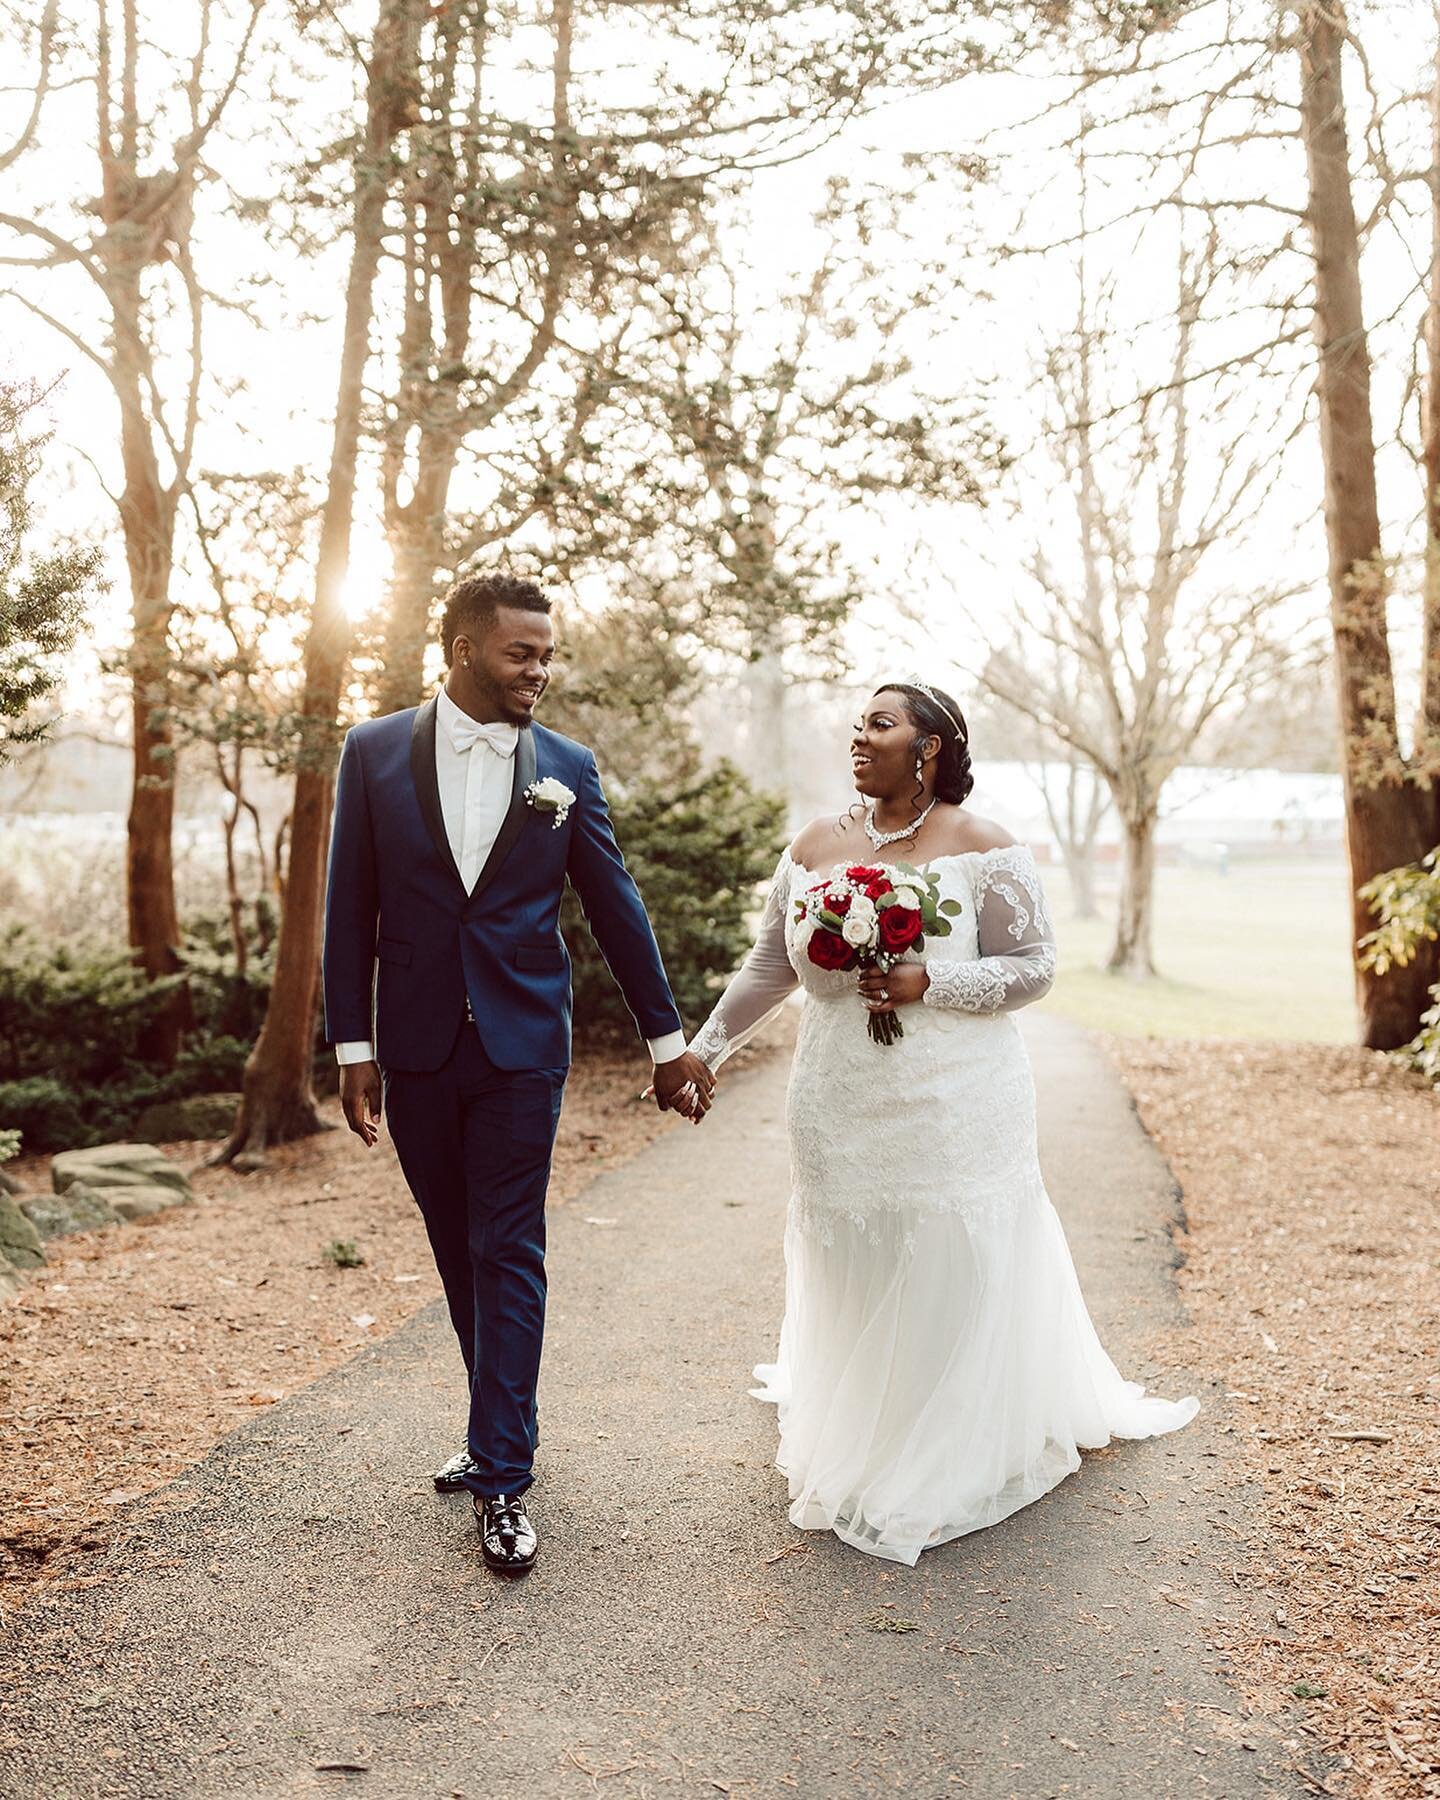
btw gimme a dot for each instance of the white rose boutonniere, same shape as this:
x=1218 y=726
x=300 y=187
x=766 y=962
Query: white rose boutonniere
x=550 y=796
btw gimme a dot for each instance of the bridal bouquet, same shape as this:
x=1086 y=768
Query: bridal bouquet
x=866 y=916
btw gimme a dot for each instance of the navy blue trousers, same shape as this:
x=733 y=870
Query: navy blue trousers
x=475 y=1144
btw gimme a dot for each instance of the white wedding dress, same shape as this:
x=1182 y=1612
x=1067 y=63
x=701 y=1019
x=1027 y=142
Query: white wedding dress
x=937 y=1367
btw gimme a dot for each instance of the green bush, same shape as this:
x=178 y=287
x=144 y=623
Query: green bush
x=72 y=1024
x=46 y=1115
x=225 y=1003
x=698 y=854
x=1406 y=901
x=211 y=1065
x=74 y=1015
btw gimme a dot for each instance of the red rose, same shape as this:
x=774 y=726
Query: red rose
x=838 y=903
x=899 y=927
x=873 y=881
x=827 y=951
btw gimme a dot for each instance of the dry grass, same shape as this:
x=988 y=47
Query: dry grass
x=1311 y=1178
x=140 y=1347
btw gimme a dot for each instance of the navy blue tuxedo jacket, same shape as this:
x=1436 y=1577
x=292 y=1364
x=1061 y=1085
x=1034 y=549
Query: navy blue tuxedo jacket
x=395 y=903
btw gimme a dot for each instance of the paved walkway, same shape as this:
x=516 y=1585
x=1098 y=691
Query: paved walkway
x=310 y=1619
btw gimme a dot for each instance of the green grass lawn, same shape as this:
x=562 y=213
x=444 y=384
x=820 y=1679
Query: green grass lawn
x=1259 y=953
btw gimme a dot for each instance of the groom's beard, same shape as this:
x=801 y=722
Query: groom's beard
x=503 y=701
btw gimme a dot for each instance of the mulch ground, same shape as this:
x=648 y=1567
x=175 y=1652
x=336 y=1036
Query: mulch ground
x=1311 y=1182
x=138 y=1348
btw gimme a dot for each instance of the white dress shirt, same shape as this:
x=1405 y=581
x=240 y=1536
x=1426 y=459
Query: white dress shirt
x=475 y=773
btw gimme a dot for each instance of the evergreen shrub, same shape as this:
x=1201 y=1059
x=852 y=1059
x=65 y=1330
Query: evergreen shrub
x=698 y=853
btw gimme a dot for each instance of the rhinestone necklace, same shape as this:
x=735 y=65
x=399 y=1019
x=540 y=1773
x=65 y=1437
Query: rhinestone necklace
x=881 y=838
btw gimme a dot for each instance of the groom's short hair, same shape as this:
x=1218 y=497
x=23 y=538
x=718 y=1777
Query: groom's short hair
x=470 y=604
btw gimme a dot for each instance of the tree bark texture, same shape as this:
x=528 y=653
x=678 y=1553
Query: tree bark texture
x=279 y=1100
x=1133 y=952
x=147 y=515
x=1390 y=818
x=146 y=221
x=1427 y=724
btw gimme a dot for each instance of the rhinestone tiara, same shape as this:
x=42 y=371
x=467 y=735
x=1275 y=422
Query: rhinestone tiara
x=924 y=688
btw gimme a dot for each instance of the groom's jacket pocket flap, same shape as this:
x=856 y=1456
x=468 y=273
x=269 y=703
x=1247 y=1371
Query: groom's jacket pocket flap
x=391 y=950
x=539 y=956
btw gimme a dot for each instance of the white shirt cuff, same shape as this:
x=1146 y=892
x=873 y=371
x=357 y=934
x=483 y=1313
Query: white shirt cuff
x=361 y=1050
x=666 y=1049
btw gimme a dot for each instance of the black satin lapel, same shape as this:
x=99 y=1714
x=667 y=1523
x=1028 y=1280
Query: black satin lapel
x=427 y=787
x=515 y=817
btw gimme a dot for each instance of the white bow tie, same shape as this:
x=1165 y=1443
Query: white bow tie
x=465 y=732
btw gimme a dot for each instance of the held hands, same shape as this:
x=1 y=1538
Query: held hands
x=904 y=985
x=684 y=1085
x=360 y=1099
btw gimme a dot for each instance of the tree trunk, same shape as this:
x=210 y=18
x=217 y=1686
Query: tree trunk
x=1389 y=821
x=1076 y=824
x=1080 y=869
x=228 y=826
x=417 y=549
x=1427 y=725
x=769 y=693
x=147 y=517
x=279 y=1099
x=1133 y=952
x=442 y=254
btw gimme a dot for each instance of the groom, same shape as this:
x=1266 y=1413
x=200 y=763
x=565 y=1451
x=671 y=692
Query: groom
x=447 y=990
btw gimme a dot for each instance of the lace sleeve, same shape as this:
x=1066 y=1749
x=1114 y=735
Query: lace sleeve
x=760 y=986
x=1016 y=963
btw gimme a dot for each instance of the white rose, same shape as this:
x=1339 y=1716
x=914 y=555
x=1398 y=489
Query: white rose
x=908 y=898
x=551 y=797
x=858 y=931
x=861 y=907
x=804 y=931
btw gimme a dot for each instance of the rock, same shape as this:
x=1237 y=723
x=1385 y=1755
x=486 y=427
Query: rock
x=19 y=1240
x=111 y=1166
x=200 y=1116
x=8 y=1184
x=140 y=1202
x=11 y=1281
x=59 y=1215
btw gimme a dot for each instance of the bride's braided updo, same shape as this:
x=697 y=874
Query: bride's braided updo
x=936 y=715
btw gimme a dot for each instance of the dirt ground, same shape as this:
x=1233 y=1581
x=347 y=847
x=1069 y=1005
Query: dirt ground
x=1311 y=1184
x=139 y=1347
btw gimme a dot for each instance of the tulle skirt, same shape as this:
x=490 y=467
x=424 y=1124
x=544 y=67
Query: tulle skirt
x=935 y=1374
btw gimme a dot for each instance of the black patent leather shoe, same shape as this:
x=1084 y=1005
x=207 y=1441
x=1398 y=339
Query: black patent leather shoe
x=507 y=1538
x=451 y=1478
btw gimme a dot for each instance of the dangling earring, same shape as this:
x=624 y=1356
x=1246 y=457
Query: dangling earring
x=920 y=770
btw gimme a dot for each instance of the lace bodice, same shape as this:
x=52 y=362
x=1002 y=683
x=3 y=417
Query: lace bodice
x=1000 y=954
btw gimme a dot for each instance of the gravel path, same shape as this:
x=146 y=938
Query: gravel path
x=306 y=1618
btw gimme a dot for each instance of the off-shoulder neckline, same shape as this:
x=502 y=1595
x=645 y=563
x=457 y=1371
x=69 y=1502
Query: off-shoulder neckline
x=929 y=862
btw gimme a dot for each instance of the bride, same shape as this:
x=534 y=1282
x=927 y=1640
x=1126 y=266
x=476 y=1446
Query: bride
x=937 y=1367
